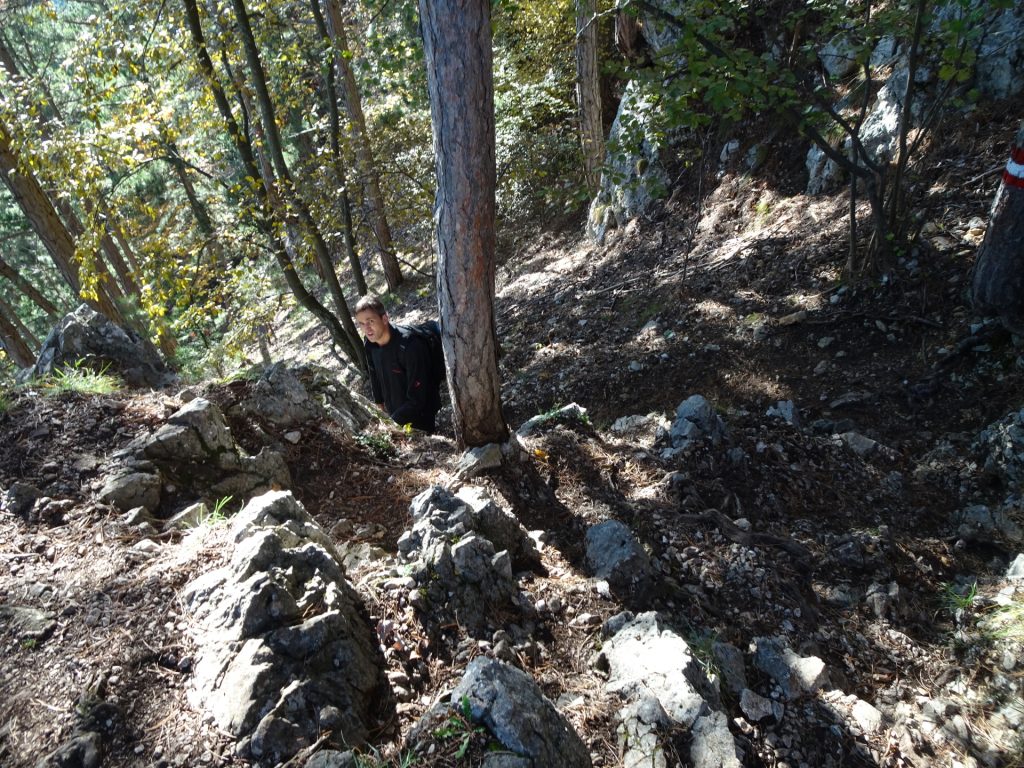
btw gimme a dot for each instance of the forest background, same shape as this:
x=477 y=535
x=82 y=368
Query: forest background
x=193 y=169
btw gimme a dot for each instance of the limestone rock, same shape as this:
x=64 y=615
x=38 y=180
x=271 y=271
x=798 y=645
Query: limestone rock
x=19 y=498
x=615 y=554
x=126 y=490
x=461 y=560
x=696 y=420
x=757 y=708
x=82 y=750
x=195 y=448
x=713 y=745
x=645 y=658
x=511 y=705
x=28 y=623
x=86 y=335
x=795 y=675
x=286 y=648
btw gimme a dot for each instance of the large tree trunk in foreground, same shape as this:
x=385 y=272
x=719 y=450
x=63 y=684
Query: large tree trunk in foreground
x=361 y=144
x=997 y=282
x=588 y=93
x=457 y=44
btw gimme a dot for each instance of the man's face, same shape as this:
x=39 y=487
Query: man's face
x=375 y=328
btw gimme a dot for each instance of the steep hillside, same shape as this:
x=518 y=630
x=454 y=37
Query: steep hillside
x=821 y=506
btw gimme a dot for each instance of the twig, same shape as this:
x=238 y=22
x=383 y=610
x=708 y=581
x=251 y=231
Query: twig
x=989 y=172
x=797 y=551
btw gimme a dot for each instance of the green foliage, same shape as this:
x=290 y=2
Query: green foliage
x=702 y=645
x=556 y=416
x=960 y=599
x=537 y=148
x=217 y=514
x=723 y=62
x=378 y=444
x=80 y=378
x=460 y=728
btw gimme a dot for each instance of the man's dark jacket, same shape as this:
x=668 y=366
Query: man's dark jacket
x=402 y=379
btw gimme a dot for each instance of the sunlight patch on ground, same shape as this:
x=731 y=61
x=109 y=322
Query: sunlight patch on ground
x=710 y=309
x=808 y=301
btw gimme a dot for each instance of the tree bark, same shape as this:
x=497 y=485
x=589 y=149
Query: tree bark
x=274 y=149
x=13 y=344
x=997 y=282
x=23 y=330
x=361 y=143
x=29 y=290
x=128 y=285
x=588 y=93
x=37 y=207
x=339 y=161
x=457 y=46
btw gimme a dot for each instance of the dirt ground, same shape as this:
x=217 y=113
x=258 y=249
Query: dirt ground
x=739 y=297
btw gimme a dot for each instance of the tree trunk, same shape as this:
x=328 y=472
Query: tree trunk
x=273 y=148
x=128 y=285
x=13 y=344
x=23 y=330
x=361 y=143
x=29 y=290
x=339 y=162
x=588 y=93
x=457 y=46
x=37 y=207
x=997 y=282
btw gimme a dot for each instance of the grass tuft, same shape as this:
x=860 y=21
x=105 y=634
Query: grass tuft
x=82 y=379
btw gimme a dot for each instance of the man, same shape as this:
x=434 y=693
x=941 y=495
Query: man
x=403 y=384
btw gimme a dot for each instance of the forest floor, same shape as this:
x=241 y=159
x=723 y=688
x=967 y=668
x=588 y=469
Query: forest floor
x=740 y=300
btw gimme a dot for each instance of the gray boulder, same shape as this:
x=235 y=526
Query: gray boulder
x=290 y=397
x=461 y=559
x=1000 y=62
x=510 y=704
x=838 y=57
x=84 y=749
x=696 y=420
x=713 y=745
x=653 y=669
x=195 y=448
x=795 y=675
x=287 y=651
x=646 y=658
x=19 y=499
x=87 y=336
x=635 y=176
x=981 y=523
x=1001 y=445
x=332 y=758
x=615 y=555
x=128 y=489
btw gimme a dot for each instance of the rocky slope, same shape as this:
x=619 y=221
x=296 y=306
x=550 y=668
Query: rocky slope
x=779 y=525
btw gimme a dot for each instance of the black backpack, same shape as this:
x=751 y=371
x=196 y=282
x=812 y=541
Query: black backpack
x=430 y=332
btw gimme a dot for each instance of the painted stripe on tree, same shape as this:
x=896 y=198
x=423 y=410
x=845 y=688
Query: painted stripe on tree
x=1013 y=176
